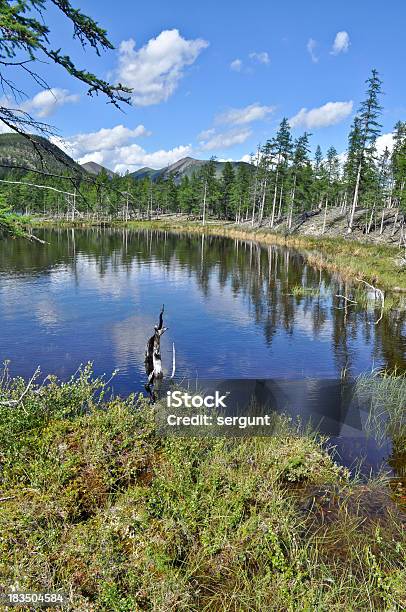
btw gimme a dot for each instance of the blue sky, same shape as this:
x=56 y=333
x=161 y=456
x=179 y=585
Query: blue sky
x=216 y=78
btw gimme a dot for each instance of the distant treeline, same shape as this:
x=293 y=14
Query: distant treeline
x=284 y=181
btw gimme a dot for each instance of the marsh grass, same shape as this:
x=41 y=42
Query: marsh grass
x=384 y=394
x=300 y=291
x=94 y=503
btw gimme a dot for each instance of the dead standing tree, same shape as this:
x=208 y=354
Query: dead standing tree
x=153 y=361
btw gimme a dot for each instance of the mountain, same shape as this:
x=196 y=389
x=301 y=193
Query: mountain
x=183 y=167
x=146 y=172
x=95 y=169
x=35 y=153
x=38 y=153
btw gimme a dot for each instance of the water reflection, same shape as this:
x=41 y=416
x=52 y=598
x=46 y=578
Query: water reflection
x=231 y=308
x=95 y=294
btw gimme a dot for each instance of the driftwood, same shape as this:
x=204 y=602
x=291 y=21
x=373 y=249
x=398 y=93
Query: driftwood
x=346 y=299
x=18 y=401
x=173 y=360
x=378 y=292
x=153 y=361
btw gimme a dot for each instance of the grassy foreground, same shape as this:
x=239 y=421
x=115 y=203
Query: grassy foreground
x=95 y=504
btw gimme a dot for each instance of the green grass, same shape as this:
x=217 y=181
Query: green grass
x=385 y=394
x=300 y=291
x=95 y=504
x=11 y=224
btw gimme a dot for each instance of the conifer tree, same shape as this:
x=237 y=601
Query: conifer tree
x=227 y=180
x=300 y=174
x=365 y=132
x=398 y=163
x=282 y=147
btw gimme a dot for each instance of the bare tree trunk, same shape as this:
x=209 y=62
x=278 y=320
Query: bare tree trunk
x=292 y=200
x=153 y=362
x=344 y=203
x=325 y=216
x=280 y=201
x=401 y=237
x=275 y=192
x=238 y=213
x=261 y=212
x=355 y=200
x=382 y=221
x=368 y=229
x=255 y=191
x=395 y=221
x=204 y=203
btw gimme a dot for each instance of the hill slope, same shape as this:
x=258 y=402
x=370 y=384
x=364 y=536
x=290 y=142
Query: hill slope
x=95 y=169
x=183 y=167
x=36 y=153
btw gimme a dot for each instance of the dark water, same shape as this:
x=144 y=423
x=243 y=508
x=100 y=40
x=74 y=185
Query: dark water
x=96 y=295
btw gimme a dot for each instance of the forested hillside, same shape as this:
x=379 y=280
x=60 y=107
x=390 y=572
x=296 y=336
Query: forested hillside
x=34 y=153
x=284 y=184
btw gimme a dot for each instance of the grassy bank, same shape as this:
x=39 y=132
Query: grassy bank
x=95 y=504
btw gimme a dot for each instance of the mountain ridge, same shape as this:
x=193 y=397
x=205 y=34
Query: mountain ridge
x=185 y=166
x=95 y=169
x=38 y=153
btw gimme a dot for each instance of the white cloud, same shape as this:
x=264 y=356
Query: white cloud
x=384 y=141
x=112 y=147
x=262 y=57
x=236 y=65
x=212 y=139
x=103 y=139
x=95 y=156
x=154 y=70
x=240 y=116
x=205 y=135
x=341 y=43
x=311 y=48
x=46 y=102
x=323 y=116
x=224 y=140
x=246 y=158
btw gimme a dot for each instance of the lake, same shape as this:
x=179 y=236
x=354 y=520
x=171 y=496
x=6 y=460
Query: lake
x=233 y=309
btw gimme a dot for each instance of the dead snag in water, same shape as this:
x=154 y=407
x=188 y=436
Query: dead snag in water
x=377 y=292
x=173 y=361
x=153 y=361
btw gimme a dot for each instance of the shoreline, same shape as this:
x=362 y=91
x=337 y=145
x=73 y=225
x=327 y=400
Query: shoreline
x=378 y=264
